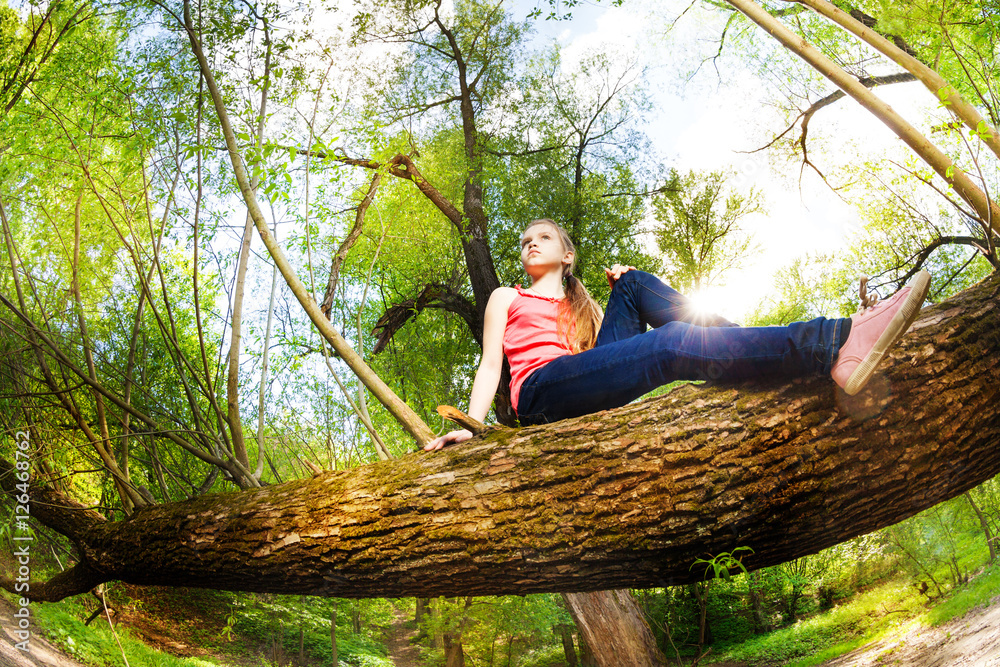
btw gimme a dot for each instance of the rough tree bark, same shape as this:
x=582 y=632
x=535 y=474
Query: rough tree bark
x=624 y=498
x=596 y=615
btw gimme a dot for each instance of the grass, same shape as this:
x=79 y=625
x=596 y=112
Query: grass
x=95 y=644
x=549 y=656
x=197 y=616
x=200 y=620
x=844 y=627
x=866 y=618
x=979 y=591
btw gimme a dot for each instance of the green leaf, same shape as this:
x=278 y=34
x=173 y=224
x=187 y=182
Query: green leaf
x=944 y=94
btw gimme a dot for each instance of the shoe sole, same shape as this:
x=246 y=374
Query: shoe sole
x=901 y=321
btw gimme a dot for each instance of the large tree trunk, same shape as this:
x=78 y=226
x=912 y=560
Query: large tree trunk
x=624 y=498
x=612 y=642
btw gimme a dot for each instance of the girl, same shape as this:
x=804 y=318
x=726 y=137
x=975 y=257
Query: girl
x=565 y=362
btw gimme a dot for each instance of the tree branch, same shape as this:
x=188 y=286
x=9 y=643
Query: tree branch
x=434 y=295
x=934 y=82
x=76 y=580
x=347 y=244
x=399 y=410
x=946 y=168
x=806 y=116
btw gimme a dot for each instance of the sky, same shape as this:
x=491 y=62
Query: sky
x=710 y=122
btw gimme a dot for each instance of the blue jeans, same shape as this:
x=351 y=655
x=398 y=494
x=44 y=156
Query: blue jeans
x=628 y=361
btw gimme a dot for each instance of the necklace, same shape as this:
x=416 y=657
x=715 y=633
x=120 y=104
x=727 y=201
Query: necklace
x=546 y=296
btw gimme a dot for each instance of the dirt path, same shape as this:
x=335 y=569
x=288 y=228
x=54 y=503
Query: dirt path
x=401 y=651
x=40 y=653
x=970 y=641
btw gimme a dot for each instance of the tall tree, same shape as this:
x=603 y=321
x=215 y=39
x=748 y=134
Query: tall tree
x=699 y=227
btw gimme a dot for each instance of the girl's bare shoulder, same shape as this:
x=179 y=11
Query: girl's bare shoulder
x=503 y=296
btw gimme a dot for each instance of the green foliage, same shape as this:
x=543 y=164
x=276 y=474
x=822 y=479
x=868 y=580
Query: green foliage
x=498 y=629
x=980 y=591
x=863 y=617
x=116 y=132
x=95 y=644
x=699 y=227
x=811 y=286
x=547 y=656
x=257 y=625
x=900 y=224
x=721 y=565
x=367 y=660
x=831 y=602
x=265 y=621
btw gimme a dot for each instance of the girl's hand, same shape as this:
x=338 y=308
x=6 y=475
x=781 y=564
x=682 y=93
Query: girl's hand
x=454 y=437
x=615 y=272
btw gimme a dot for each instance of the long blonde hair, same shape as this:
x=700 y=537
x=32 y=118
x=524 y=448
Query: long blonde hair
x=578 y=308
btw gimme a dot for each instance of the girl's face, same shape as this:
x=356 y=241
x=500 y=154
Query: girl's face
x=542 y=250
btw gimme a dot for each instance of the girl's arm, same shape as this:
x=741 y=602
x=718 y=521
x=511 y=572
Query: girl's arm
x=484 y=387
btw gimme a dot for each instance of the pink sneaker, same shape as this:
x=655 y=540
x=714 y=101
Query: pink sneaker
x=876 y=329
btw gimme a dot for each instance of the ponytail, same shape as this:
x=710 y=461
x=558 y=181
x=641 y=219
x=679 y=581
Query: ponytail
x=583 y=311
x=579 y=315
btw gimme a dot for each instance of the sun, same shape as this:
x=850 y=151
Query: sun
x=733 y=301
x=713 y=301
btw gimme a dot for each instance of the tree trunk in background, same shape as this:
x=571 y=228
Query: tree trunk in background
x=614 y=620
x=565 y=633
x=985 y=526
x=454 y=656
x=699 y=593
x=760 y=623
x=436 y=640
x=624 y=498
x=418 y=616
x=356 y=618
x=614 y=643
x=333 y=636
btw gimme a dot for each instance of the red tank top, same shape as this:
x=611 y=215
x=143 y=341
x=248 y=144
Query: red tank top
x=531 y=338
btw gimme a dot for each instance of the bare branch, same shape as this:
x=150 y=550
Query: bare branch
x=347 y=244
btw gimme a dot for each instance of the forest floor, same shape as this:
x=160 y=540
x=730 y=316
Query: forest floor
x=972 y=640
x=400 y=634
x=158 y=621
x=40 y=653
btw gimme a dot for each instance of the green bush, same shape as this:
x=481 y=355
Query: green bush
x=547 y=656
x=863 y=617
